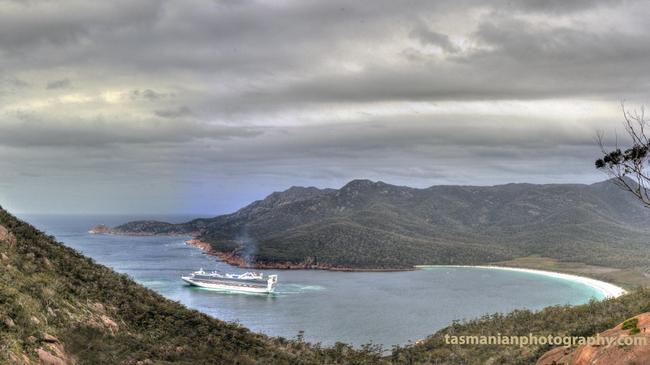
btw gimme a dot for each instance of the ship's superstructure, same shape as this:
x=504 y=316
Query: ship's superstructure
x=251 y=282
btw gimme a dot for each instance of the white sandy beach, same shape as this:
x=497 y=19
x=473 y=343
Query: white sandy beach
x=607 y=289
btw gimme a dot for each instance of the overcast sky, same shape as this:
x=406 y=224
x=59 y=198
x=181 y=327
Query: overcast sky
x=203 y=106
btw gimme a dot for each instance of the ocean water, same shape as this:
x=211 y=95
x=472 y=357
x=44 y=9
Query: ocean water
x=387 y=308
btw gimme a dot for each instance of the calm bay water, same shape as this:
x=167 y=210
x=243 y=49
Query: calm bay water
x=384 y=308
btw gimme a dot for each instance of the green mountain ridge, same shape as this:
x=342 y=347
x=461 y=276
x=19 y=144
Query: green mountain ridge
x=374 y=225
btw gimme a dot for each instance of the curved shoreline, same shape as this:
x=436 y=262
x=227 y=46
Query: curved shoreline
x=608 y=290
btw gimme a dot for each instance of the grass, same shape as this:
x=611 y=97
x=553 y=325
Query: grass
x=628 y=279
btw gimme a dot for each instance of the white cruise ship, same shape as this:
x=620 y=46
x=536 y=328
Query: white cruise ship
x=250 y=282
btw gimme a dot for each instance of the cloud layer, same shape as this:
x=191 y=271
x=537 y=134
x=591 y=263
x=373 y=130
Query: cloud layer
x=201 y=106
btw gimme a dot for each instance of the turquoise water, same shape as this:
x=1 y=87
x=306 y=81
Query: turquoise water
x=386 y=308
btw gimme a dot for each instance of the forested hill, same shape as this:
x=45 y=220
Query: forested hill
x=369 y=224
x=58 y=307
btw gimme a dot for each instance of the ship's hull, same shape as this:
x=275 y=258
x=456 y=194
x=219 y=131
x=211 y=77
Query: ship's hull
x=225 y=286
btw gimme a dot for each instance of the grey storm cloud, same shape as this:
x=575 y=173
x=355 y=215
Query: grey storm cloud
x=179 y=112
x=519 y=61
x=58 y=84
x=227 y=100
x=31 y=132
x=242 y=41
x=449 y=137
x=560 y=6
x=150 y=95
x=428 y=36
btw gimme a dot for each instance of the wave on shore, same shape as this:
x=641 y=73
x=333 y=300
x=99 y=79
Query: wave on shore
x=608 y=290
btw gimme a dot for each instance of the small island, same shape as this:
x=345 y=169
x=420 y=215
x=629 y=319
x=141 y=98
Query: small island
x=100 y=229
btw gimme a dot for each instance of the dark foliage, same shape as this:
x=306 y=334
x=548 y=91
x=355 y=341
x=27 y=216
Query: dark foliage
x=630 y=167
x=584 y=320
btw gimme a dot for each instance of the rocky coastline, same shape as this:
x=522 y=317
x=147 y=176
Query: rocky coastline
x=232 y=258
x=103 y=229
x=235 y=260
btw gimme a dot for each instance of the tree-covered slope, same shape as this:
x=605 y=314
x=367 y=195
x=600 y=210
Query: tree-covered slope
x=583 y=320
x=369 y=224
x=59 y=307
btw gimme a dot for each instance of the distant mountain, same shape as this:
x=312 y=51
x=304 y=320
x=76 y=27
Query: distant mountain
x=374 y=225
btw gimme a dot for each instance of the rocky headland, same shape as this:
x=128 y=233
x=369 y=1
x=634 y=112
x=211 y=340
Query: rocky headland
x=615 y=350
